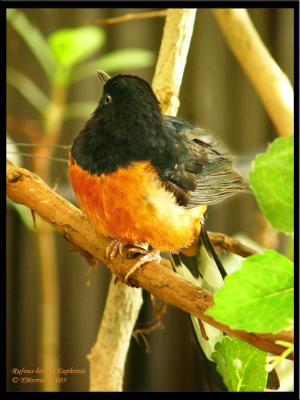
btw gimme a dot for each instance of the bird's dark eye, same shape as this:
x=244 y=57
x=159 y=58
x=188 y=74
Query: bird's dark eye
x=107 y=99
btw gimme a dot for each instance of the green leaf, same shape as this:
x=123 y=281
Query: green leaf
x=116 y=61
x=259 y=296
x=271 y=180
x=33 y=38
x=241 y=365
x=31 y=92
x=126 y=59
x=70 y=46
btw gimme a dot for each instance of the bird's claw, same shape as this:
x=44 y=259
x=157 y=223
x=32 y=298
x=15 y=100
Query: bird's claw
x=149 y=256
x=114 y=247
x=117 y=246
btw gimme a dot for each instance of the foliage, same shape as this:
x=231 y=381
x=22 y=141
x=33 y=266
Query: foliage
x=271 y=179
x=241 y=365
x=70 y=46
x=264 y=289
x=258 y=297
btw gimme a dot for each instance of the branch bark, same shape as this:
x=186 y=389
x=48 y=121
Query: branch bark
x=270 y=82
x=172 y=58
x=108 y=355
x=28 y=189
x=230 y=244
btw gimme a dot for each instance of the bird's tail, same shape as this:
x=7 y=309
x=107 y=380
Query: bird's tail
x=209 y=260
x=211 y=271
x=211 y=275
x=210 y=250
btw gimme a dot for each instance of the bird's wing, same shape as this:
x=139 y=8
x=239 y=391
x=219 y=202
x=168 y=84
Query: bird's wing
x=205 y=174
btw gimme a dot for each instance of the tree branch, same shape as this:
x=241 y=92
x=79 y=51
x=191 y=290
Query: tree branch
x=30 y=190
x=230 y=244
x=109 y=353
x=270 y=82
x=172 y=58
x=126 y=18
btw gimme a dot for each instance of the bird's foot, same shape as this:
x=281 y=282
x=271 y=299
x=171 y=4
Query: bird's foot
x=152 y=255
x=115 y=246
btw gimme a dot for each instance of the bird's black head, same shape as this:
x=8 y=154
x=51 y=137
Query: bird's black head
x=128 y=109
x=126 y=92
x=126 y=126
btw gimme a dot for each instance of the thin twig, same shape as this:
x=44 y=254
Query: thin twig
x=139 y=333
x=126 y=18
x=55 y=146
x=202 y=329
x=159 y=309
x=33 y=219
x=230 y=244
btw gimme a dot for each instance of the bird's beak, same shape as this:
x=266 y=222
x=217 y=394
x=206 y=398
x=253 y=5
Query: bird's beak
x=103 y=76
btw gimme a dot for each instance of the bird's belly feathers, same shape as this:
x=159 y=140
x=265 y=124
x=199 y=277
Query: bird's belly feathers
x=131 y=205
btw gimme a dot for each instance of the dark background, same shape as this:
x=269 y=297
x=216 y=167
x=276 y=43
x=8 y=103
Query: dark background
x=215 y=95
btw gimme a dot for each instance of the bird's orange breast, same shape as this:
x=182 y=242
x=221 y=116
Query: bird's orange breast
x=132 y=205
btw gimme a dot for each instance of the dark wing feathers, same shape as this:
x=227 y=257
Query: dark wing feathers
x=205 y=174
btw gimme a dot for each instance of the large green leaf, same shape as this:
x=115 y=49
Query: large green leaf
x=241 y=365
x=271 y=180
x=116 y=61
x=259 y=296
x=72 y=45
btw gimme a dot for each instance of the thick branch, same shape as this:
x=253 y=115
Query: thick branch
x=115 y=332
x=270 y=82
x=172 y=58
x=28 y=189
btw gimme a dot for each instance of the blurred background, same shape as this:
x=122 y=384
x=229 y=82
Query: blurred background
x=51 y=291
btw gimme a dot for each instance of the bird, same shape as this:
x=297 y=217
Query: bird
x=144 y=179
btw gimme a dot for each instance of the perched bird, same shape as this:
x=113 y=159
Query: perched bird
x=146 y=178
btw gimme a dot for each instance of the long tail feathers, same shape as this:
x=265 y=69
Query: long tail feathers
x=210 y=267
x=209 y=262
x=211 y=251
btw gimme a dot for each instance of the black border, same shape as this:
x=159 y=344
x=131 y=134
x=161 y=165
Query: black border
x=4 y=4
x=150 y=4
